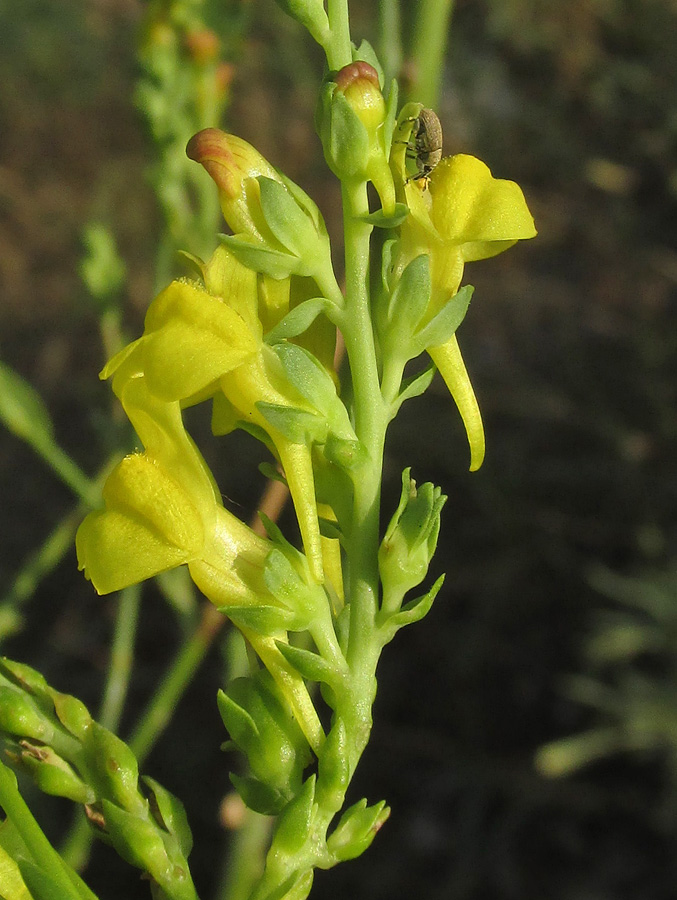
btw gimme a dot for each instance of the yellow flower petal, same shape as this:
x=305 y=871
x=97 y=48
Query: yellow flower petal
x=150 y=525
x=192 y=338
x=447 y=357
x=469 y=205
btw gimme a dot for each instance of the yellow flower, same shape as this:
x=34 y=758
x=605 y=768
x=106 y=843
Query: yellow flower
x=162 y=508
x=463 y=214
x=197 y=345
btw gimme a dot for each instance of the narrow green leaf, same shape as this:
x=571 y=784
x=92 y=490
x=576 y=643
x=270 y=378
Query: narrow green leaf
x=22 y=409
x=411 y=296
x=285 y=218
x=444 y=324
x=261 y=258
x=171 y=814
x=413 y=611
x=298 y=319
x=416 y=385
x=310 y=665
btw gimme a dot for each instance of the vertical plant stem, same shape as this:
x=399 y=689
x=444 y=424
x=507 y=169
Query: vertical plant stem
x=370 y=426
x=175 y=681
x=431 y=34
x=246 y=857
x=339 y=52
x=121 y=657
x=390 y=38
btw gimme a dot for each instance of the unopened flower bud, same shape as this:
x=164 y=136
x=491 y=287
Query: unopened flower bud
x=261 y=724
x=52 y=774
x=20 y=716
x=278 y=230
x=357 y=829
x=114 y=769
x=410 y=540
x=350 y=119
x=234 y=165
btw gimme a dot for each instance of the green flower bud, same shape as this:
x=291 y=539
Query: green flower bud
x=23 y=675
x=20 y=716
x=72 y=713
x=351 y=121
x=112 y=768
x=139 y=841
x=357 y=829
x=261 y=724
x=52 y=774
x=278 y=230
x=410 y=540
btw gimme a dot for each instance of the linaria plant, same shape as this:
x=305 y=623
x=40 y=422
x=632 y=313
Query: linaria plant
x=253 y=332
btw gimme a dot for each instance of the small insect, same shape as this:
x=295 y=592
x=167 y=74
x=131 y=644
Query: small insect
x=425 y=144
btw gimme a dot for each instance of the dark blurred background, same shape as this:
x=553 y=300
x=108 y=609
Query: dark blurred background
x=561 y=552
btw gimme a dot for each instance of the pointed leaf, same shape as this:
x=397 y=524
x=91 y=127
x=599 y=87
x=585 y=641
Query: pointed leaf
x=261 y=258
x=171 y=814
x=310 y=666
x=411 y=295
x=416 y=385
x=444 y=324
x=260 y=797
x=285 y=218
x=298 y=319
x=413 y=611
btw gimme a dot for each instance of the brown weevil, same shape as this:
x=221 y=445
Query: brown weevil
x=425 y=144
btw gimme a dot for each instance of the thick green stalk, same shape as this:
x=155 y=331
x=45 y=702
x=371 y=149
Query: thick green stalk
x=370 y=426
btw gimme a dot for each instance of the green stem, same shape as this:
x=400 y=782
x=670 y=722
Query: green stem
x=246 y=857
x=339 y=51
x=121 y=657
x=369 y=424
x=390 y=38
x=431 y=35
x=174 y=683
x=77 y=845
x=83 y=487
